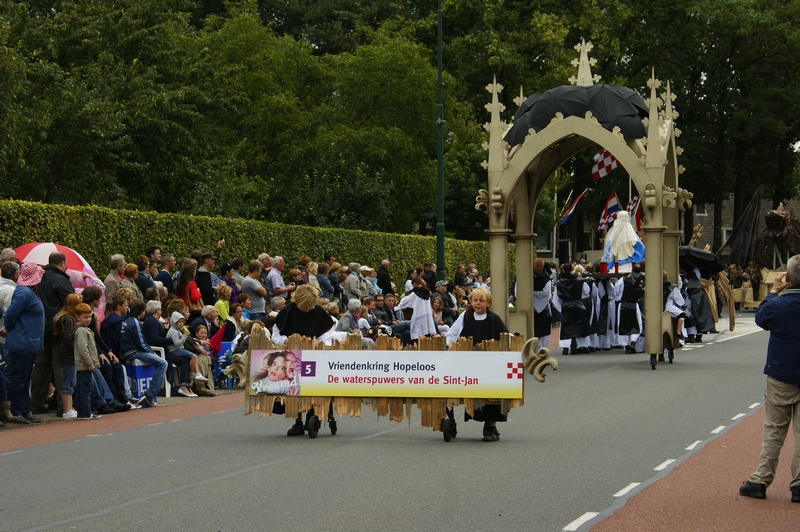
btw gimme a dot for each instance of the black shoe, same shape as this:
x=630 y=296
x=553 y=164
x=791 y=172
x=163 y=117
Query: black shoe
x=795 y=493
x=21 y=420
x=584 y=350
x=106 y=409
x=713 y=331
x=119 y=407
x=565 y=351
x=296 y=430
x=490 y=434
x=757 y=491
x=41 y=411
x=31 y=418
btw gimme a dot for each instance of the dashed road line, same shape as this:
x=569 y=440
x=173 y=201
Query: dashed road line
x=718 y=429
x=738 y=336
x=695 y=444
x=626 y=489
x=664 y=465
x=754 y=405
x=576 y=524
x=737 y=416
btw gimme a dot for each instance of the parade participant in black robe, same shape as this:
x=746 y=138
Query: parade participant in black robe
x=568 y=300
x=630 y=317
x=542 y=294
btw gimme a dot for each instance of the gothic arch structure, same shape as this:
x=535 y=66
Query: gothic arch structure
x=517 y=176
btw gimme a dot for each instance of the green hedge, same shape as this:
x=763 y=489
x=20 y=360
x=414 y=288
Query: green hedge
x=99 y=232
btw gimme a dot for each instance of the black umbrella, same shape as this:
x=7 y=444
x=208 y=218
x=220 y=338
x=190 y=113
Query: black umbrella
x=611 y=105
x=691 y=257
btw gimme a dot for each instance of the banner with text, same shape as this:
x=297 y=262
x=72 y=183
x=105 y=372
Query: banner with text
x=470 y=374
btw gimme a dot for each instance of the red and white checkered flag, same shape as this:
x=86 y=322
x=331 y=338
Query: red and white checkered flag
x=604 y=162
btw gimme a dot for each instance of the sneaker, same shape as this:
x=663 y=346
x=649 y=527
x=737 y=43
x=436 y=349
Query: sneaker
x=199 y=377
x=795 y=493
x=106 y=409
x=30 y=417
x=21 y=420
x=756 y=491
x=296 y=430
x=151 y=401
x=119 y=407
x=91 y=417
x=70 y=415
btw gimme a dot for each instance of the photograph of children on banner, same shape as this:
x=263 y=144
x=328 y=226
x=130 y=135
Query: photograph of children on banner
x=275 y=372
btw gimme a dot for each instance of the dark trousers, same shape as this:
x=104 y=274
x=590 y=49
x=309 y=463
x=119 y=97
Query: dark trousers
x=181 y=362
x=47 y=369
x=115 y=379
x=3 y=386
x=83 y=393
x=18 y=370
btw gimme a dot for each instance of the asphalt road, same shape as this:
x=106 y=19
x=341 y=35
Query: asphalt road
x=600 y=423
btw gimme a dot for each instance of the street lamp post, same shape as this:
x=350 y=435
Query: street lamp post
x=440 y=154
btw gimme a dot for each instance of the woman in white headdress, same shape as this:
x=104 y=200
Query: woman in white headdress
x=622 y=246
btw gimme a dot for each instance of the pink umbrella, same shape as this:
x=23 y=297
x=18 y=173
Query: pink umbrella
x=39 y=252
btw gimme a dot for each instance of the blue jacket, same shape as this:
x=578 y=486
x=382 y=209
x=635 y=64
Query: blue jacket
x=24 y=322
x=131 y=339
x=110 y=332
x=780 y=315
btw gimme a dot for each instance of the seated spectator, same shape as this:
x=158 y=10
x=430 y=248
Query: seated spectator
x=232 y=323
x=129 y=282
x=379 y=312
x=401 y=327
x=152 y=294
x=209 y=318
x=348 y=323
x=449 y=310
x=276 y=305
x=437 y=306
x=180 y=357
x=313 y=270
x=461 y=277
x=202 y=349
x=111 y=327
x=134 y=348
x=244 y=301
x=222 y=306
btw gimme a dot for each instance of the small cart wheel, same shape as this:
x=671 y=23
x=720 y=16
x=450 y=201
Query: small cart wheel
x=446 y=430
x=313 y=426
x=653 y=361
x=671 y=355
x=453 y=430
x=332 y=426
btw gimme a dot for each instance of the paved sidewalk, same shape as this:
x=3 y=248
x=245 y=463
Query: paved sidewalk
x=701 y=493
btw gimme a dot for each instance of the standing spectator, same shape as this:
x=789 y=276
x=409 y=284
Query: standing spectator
x=227 y=271
x=129 y=281
x=143 y=278
x=384 y=280
x=266 y=267
x=277 y=288
x=154 y=253
x=252 y=288
x=333 y=277
x=449 y=310
x=355 y=287
x=8 y=283
x=461 y=277
x=203 y=279
x=325 y=287
x=780 y=315
x=24 y=330
x=223 y=305
x=429 y=275
x=110 y=368
x=238 y=265
x=113 y=280
x=187 y=290
x=165 y=275
x=313 y=270
x=53 y=291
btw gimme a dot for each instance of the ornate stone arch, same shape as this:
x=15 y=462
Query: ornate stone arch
x=517 y=175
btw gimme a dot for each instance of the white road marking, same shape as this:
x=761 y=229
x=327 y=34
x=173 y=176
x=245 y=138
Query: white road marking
x=10 y=452
x=692 y=446
x=575 y=525
x=738 y=336
x=718 y=429
x=663 y=466
x=737 y=416
x=754 y=405
x=626 y=489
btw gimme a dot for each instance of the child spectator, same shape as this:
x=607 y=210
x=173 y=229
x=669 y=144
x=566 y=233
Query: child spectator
x=86 y=361
x=222 y=306
x=63 y=325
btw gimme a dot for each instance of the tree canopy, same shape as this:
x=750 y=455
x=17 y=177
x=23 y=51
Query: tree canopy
x=324 y=112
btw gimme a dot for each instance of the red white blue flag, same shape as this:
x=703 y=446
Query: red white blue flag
x=635 y=211
x=571 y=209
x=604 y=162
x=609 y=212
